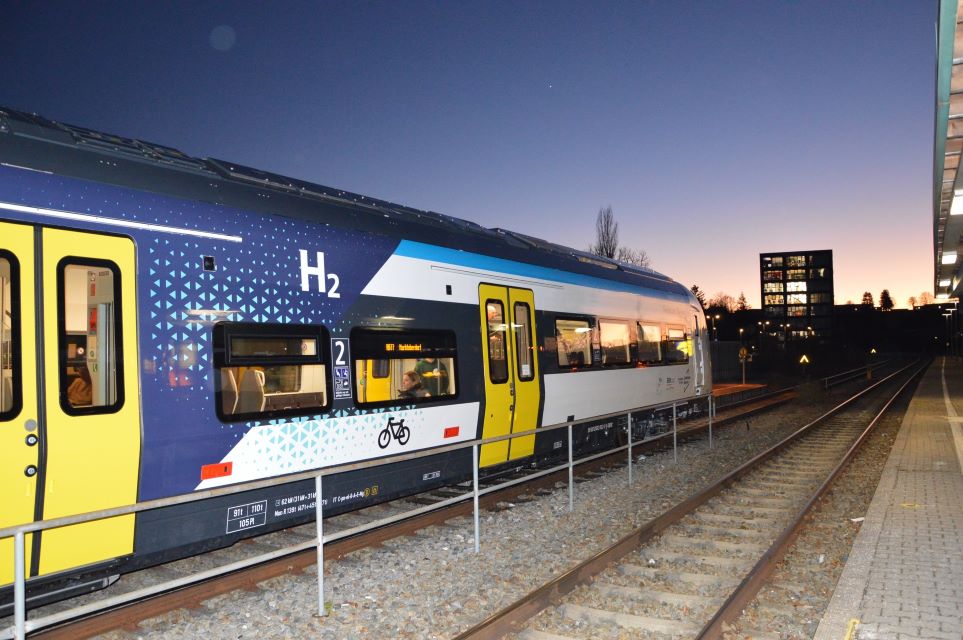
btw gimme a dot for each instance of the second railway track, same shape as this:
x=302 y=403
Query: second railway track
x=685 y=573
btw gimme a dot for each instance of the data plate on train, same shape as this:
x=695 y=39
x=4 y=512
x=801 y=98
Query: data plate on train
x=246 y=516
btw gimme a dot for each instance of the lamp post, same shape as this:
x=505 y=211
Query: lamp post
x=948 y=315
x=715 y=332
x=741 y=331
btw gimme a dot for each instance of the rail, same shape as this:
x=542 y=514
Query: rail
x=511 y=617
x=740 y=397
x=22 y=626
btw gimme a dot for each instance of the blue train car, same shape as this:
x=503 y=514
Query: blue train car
x=171 y=324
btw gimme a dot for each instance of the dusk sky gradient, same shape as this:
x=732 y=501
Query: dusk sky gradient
x=715 y=130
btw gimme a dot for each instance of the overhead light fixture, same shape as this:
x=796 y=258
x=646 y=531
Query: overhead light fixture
x=945 y=283
x=956 y=208
x=949 y=257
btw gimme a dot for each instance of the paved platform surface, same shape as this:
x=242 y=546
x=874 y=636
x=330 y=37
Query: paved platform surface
x=725 y=389
x=904 y=577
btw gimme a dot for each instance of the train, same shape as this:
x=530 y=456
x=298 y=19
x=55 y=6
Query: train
x=172 y=324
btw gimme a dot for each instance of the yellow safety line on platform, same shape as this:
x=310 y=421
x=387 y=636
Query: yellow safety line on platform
x=851 y=628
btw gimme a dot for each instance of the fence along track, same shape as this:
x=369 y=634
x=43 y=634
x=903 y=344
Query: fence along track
x=191 y=595
x=685 y=572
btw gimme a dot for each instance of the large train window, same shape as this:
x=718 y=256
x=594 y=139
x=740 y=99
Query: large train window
x=497 y=341
x=650 y=344
x=677 y=346
x=10 y=390
x=269 y=370
x=91 y=375
x=614 y=338
x=574 y=340
x=393 y=365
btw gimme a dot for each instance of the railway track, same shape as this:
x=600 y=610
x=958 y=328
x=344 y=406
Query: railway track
x=694 y=568
x=189 y=596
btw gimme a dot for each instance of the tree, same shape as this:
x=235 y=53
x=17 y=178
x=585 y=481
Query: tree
x=911 y=303
x=632 y=256
x=607 y=241
x=742 y=304
x=722 y=303
x=868 y=299
x=606 y=234
x=886 y=301
x=926 y=298
x=700 y=295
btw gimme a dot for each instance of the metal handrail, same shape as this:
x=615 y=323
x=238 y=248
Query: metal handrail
x=18 y=532
x=63 y=521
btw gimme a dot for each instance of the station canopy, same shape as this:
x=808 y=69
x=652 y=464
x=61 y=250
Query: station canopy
x=948 y=143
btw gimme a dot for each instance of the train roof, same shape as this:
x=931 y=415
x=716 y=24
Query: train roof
x=185 y=176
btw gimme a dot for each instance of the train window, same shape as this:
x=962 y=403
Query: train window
x=10 y=392
x=91 y=375
x=677 y=346
x=614 y=338
x=497 y=337
x=392 y=365
x=269 y=370
x=650 y=344
x=524 y=357
x=574 y=339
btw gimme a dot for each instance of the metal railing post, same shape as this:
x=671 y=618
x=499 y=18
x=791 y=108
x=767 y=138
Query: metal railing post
x=20 y=587
x=675 y=436
x=319 y=523
x=628 y=428
x=474 y=484
x=571 y=473
x=711 y=407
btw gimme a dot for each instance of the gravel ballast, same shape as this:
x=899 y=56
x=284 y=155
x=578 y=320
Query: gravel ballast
x=433 y=585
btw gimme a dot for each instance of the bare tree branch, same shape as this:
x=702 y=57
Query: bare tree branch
x=606 y=233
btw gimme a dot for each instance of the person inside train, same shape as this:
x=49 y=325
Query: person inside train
x=79 y=393
x=411 y=386
x=434 y=375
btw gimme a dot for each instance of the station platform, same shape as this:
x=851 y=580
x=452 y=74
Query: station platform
x=904 y=576
x=725 y=388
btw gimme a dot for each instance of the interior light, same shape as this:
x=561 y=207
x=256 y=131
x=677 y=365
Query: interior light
x=942 y=296
x=956 y=208
x=949 y=257
x=945 y=283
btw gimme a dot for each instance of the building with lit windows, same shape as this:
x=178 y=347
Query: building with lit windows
x=797 y=294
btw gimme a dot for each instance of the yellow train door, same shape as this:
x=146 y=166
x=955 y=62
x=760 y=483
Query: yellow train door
x=19 y=434
x=512 y=392
x=92 y=435
x=74 y=446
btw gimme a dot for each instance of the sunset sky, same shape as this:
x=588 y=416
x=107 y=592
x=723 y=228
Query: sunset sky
x=715 y=130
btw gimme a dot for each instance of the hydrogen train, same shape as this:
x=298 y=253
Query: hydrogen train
x=171 y=324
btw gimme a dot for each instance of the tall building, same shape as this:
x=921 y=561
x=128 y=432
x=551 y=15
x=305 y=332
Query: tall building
x=797 y=293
